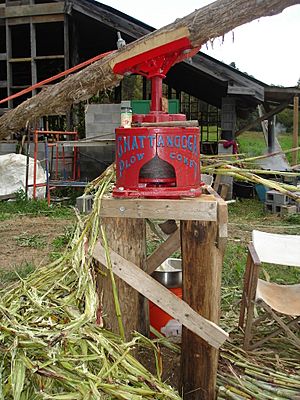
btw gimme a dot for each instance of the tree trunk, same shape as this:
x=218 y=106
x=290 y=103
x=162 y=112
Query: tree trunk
x=201 y=26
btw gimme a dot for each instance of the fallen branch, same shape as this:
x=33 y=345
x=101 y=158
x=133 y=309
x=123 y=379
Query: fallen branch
x=199 y=27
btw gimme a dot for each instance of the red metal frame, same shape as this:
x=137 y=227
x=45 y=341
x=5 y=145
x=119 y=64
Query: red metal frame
x=177 y=148
x=55 y=145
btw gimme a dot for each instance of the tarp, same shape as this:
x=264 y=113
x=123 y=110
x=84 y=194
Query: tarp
x=13 y=175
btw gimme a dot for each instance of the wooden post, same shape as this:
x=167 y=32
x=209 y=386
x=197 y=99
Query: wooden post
x=202 y=265
x=295 y=130
x=126 y=236
x=271 y=135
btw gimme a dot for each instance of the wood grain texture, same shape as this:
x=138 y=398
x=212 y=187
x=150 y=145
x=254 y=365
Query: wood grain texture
x=126 y=237
x=162 y=297
x=201 y=208
x=202 y=266
x=201 y=26
x=164 y=251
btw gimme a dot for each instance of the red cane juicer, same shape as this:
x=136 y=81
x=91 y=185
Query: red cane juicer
x=153 y=160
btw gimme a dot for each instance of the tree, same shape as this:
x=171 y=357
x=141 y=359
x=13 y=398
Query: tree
x=201 y=26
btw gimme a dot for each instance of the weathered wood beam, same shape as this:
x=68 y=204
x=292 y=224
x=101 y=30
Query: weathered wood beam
x=202 y=25
x=34 y=9
x=162 y=297
x=127 y=237
x=165 y=250
x=203 y=208
x=37 y=19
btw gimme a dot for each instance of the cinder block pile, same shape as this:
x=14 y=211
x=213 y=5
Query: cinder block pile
x=279 y=203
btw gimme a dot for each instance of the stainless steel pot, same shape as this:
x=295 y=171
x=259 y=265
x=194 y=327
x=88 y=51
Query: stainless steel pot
x=173 y=277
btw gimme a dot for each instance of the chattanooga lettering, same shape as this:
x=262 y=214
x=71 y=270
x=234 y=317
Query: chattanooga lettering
x=135 y=143
x=178 y=148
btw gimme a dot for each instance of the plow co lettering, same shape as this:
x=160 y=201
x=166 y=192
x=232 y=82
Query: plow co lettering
x=179 y=144
x=139 y=142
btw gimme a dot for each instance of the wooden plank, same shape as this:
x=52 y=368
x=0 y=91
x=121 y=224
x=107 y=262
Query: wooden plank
x=52 y=57
x=21 y=59
x=35 y=9
x=201 y=208
x=222 y=218
x=295 y=130
x=36 y=19
x=162 y=297
x=109 y=18
x=127 y=237
x=8 y=65
x=242 y=90
x=152 y=42
x=164 y=251
x=33 y=54
x=202 y=266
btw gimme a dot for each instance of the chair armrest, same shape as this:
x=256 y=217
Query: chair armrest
x=253 y=254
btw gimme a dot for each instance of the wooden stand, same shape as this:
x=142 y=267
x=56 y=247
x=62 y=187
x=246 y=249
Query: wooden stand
x=203 y=233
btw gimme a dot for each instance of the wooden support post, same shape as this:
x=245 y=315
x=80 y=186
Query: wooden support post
x=127 y=237
x=33 y=55
x=202 y=265
x=271 y=135
x=295 y=130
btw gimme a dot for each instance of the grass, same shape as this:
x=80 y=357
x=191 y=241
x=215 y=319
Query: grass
x=35 y=208
x=246 y=215
x=60 y=243
x=34 y=241
x=12 y=275
x=253 y=144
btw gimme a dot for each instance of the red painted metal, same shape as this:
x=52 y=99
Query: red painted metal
x=157 y=162
x=179 y=147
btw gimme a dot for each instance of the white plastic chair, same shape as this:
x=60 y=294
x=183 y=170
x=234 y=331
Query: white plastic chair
x=276 y=300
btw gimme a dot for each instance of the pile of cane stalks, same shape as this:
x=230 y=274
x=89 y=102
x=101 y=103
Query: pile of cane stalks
x=53 y=345
x=50 y=344
x=245 y=169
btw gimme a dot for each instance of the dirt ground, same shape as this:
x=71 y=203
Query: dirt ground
x=14 y=254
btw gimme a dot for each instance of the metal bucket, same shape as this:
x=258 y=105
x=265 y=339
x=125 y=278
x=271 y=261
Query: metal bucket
x=169 y=273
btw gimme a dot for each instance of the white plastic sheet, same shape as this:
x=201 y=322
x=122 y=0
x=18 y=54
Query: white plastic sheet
x=13 y=175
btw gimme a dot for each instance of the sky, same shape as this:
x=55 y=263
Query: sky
x=268 y=48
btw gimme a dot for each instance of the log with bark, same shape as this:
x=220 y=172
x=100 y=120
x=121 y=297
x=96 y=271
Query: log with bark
x=201 y=26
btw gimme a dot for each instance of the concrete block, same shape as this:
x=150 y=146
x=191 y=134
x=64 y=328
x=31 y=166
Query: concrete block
x=116 y=118
x=287 y=210
x=276 y=197
x=272 y=207
x=89 y=118
x=102 y=118
x=7 y=148
x=84 y=203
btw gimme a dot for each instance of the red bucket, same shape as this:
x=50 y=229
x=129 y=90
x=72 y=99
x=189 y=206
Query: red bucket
x=171 y=277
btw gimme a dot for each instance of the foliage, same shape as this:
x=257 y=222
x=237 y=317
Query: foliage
x=54 y=348
x=34 y=241
x=12 y=275
x=22 y=206
x=132 y=87
x=285 y=118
